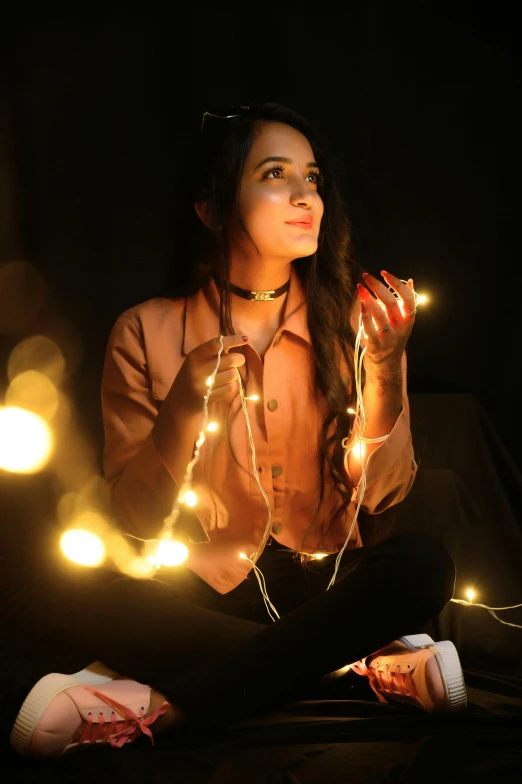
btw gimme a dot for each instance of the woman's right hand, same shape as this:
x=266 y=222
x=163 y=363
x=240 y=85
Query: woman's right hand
x=190 y=385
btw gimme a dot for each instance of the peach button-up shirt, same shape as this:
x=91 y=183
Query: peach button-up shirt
x=145 y=351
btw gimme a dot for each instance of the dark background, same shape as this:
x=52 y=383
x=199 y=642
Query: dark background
x=420 y=102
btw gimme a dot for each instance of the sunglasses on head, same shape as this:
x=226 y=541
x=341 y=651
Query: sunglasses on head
x=223 y=114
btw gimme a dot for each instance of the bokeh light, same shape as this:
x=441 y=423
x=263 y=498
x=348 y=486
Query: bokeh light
x=26 y=441
x=39 y=353
x=82 y=547
x=33 y=391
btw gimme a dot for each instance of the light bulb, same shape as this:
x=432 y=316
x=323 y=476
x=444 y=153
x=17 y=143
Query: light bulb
x=358 y=450
x=191 y=498
x=253 y=397
x=422 y=299
x=243 y=556
x=140 y=567
x=170 y=553
x=470 y=593
x=351 y=410
x=212 y=427
x=209 y=381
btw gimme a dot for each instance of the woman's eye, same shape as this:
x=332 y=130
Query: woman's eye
x=314 y=177
x=274 y=174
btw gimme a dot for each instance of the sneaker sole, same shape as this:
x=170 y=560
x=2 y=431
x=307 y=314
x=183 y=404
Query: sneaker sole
x=449 y=666
x=43 y=692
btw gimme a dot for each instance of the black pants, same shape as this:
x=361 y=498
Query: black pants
x=220 y=658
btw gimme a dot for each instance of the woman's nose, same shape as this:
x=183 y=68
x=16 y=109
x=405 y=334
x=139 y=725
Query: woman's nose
x=302 y=195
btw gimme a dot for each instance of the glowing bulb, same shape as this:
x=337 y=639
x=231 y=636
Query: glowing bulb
x=169 y=553
x=319 y=556
x=212 y=427
x=209 y=381
x=25 y=440
x=358 y=450
x=470 y=593
x=82 y=547
x=139 y=568
x=253 y=397
x=422 y=299
x=351 y=410
x=243 y=556
x=191 y=498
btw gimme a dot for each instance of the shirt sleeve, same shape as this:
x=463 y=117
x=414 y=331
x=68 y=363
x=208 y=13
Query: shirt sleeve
x=141 y=489
x=391 y=468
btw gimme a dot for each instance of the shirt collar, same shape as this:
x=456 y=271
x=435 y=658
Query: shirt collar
x=201 y=314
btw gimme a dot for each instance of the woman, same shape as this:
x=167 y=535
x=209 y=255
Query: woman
x=198 y=647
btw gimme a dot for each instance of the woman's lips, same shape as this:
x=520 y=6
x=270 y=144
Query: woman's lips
x=301 y=224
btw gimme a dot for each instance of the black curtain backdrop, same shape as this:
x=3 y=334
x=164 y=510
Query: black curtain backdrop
x=420 y=104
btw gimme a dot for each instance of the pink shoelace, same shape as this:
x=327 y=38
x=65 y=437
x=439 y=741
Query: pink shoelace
x=387 y=680
x=118 y=731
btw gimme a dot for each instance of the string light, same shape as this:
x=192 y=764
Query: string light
x=166 y=551
x=357 y=442
x=471 y=595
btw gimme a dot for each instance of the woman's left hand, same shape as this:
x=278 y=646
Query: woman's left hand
x=387 y=329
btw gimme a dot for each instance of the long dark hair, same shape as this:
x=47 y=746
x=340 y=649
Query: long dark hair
x=216 y=164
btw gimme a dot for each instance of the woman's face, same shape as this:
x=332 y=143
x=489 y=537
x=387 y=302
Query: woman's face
x=279 y=202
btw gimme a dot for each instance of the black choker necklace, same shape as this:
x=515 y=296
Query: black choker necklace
x=258 y=296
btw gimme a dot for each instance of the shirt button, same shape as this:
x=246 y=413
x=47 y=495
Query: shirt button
x=272 y=404
x=277 y=528
x=277 y=470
